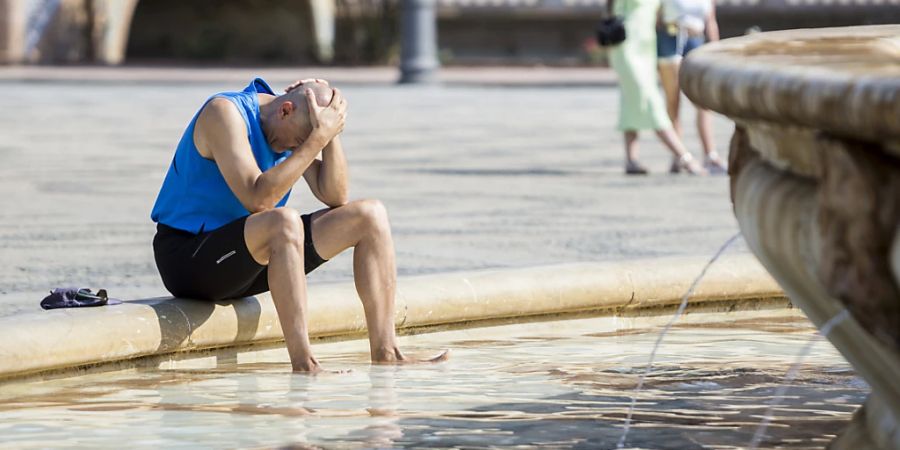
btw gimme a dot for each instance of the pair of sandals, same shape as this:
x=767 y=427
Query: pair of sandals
x=70 y=297
x=713 y=165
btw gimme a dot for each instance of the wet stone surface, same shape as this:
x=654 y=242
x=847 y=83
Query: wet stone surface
x=557 y=384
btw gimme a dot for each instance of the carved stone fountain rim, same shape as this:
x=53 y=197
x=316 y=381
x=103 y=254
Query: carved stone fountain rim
x=815 y=181
x=822 y=79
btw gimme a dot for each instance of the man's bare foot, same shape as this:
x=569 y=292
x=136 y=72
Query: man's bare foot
x=310 y=366
x=395 y=356
x=307 y=366
x=318 y=370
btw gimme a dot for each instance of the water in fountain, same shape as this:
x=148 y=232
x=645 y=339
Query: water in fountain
x=792 y=373
x=678 y=313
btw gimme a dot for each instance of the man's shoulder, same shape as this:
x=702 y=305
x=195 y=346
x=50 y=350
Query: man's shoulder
x=220 y=126
x=219 y=113
x=220 y=107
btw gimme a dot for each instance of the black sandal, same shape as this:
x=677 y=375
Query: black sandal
x=76 y=298
x=635 y=168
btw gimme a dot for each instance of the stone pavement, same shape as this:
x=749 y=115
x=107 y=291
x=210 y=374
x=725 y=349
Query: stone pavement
x=474 y=176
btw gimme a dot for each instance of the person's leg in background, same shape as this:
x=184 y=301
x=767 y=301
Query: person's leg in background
x=712 y=162
x=668 y=62
x=668 y=77
x=669 y=49
x=632 y=165
x=683 y=160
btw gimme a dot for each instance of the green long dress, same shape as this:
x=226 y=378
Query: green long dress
x=641 y=106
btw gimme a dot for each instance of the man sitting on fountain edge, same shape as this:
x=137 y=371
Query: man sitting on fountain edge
x=223 y=230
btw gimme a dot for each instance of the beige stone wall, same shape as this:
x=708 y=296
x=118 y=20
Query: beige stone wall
x=12 y=30
x=78 y=31
x=67 y=38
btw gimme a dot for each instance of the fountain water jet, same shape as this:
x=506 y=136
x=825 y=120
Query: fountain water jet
x=791 y=374
x=662 y=334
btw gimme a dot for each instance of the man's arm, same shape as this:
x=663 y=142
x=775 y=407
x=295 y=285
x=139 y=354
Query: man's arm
x=221 y=136
x=328 y=178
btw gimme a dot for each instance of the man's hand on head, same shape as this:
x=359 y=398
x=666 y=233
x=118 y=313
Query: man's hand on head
x=326 y=121
x=299 y=83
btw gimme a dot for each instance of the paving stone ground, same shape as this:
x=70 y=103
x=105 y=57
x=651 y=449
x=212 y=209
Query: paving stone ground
x=474 y=176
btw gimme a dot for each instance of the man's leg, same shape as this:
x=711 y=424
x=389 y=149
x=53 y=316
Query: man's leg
x=275 y=238
x=363 y=225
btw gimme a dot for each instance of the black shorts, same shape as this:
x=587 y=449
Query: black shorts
x=217 y=265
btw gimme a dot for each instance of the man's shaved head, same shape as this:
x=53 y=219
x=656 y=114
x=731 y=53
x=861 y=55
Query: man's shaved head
x=322 y=91
x=292 y=125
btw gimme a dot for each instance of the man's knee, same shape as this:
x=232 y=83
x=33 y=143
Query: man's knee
x=374 y=215
x=286 y=227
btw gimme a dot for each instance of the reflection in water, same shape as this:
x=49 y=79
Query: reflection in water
x=384 y=428
x=559 y=385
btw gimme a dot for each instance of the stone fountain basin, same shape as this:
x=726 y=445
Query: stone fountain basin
x=815 y=182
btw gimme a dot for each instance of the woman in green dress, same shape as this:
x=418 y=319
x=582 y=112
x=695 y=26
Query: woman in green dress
x=641 y=106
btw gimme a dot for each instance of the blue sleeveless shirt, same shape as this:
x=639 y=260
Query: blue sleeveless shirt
x=194 y=196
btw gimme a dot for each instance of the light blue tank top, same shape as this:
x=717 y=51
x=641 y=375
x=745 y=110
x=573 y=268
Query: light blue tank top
x=194 y=196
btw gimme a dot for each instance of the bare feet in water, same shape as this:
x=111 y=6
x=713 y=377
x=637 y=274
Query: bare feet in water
x=311 y=366
x=395 y=356
x=385 y=357
x=308 y=366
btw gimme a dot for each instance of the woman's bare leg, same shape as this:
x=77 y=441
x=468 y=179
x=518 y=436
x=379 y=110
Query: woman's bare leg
x=632 y=166
x=631 y=148
x=668 y=76
x=672 y=142
x=704 y=128
x=684 y=160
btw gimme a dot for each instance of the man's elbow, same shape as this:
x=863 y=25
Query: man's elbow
x=260 y=198
x=334 y=196
x=337 y=201
x=258 y=205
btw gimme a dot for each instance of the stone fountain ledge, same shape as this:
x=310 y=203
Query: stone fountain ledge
x=815 y=182
x=59 y=340
x=846 y=83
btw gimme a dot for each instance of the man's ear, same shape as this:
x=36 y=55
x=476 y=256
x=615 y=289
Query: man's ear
x=286 y=109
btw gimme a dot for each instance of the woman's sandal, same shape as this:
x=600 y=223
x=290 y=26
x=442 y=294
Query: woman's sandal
x=635 y=168
x=686 y=163
x=714 y=165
